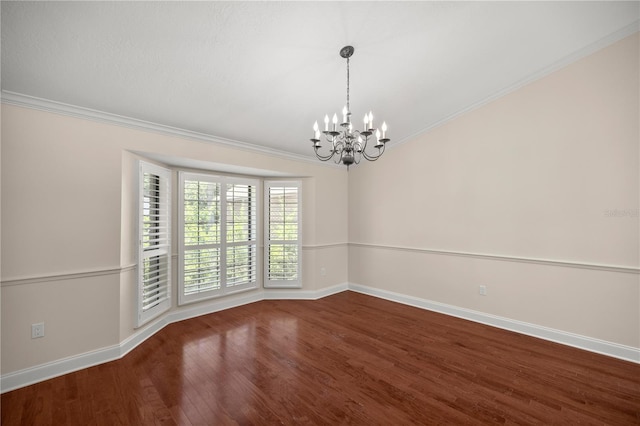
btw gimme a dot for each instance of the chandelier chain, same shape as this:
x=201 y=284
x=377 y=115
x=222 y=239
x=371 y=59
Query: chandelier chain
x=348 y=106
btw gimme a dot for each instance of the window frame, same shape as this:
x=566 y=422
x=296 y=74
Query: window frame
x=223 y=244
x=162 y=249
x=267 y=282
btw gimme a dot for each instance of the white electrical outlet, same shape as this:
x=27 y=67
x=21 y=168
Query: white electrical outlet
x=37 y=330
x=482 y=290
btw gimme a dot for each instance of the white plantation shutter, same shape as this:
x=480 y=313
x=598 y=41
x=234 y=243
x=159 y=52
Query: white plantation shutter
x=154 y=253
x=283 y=242
x=217 y=236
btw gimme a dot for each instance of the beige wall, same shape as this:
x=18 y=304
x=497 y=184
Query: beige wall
x=548 y=172
x=68 y=228
x=532 y=195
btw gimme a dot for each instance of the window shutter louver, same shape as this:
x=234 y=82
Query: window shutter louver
x=154 y=254
x=283 y=251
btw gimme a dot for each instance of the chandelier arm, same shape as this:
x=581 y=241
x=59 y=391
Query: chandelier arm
x=362 y=145
x=329 y=138
x=374 y=157
x=323 y=157
x=335 y=148
x=357 y=158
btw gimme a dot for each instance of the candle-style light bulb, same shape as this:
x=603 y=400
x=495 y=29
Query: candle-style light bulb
x=316 y=133
x=370 y=120
x=378 y=135
x=384 y=129
x=366 y=122
x=335 y=121
x=326 y=123
x=344 y=114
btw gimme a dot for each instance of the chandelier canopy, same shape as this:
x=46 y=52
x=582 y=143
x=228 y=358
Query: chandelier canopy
x=348 y=145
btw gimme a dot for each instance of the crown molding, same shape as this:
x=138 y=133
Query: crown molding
x=27 y=101
x=33 y=102
x=567 y=60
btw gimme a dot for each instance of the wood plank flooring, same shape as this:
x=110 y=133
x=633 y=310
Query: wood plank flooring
x=344 y=359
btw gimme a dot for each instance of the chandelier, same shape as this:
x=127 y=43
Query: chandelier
x=346 y=144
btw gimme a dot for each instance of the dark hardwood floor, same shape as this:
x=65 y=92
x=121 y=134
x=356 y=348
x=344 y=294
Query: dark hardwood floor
x=344 y=359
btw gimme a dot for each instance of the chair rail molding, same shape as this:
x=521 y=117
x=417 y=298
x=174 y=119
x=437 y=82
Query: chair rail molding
x=506 y=258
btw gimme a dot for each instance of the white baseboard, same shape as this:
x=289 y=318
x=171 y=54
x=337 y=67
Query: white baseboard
x=39 y=373
x=29 y=376
x=627 y=353
x=180 y=314
x=284 y=294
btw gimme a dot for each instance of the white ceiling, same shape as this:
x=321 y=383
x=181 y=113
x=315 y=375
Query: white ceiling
x=263 y=72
